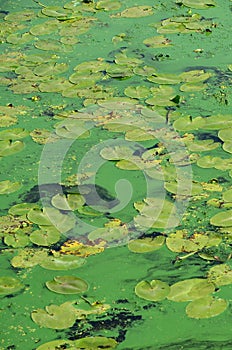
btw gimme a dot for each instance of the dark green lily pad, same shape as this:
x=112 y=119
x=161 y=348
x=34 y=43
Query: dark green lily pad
x=206 y=307
x=67 y=285
x=155 y=290
x=10 y=285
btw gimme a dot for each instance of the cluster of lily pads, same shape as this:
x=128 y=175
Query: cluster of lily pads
x=29 y=227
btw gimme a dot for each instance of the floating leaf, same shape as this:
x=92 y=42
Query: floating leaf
x=76 y=248
x=179 y=242
x=108 y=234
x=108 y=5
x=22 y=208
x=217 y=122
x=206 y=307
x=71 y=202
x=95 y=343
x=223 y=219
x=7 y=187
x=50 y=69
x=17 y=239
x=157 y=41
x=7 y=147
x=56 y=344
x=7 y=120
x=67 y=285
x=188 y=123
x=164 y=79
x=55 y=316
x=20 y=16
x=13 y=134
x=136 y=11
x=155 y=290
x=197 y=4
x=62 y=262
x=44 y=28
x=147 y=244
x=220 y=275
x=116 y=153
x=191 y=87
x=137 y=92
x=10 y=285
x=45 y=236
x=28 y=257
x=190 y=289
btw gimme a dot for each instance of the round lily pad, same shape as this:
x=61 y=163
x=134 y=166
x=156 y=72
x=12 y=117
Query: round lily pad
x=206 y=307
x=17 y=239
x=13 y=134
x=220 y=275
x=71 y=202
x=22 y=208
x=155 y=290
x=188 y=123
x=10 y=285
x=197 y=4
x=67 y=285
x=136 y=11
x=46 y=236
x=62 y=262
x=147 y=244
x=190 y=289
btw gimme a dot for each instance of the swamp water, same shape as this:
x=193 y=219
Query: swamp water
x=116 y=189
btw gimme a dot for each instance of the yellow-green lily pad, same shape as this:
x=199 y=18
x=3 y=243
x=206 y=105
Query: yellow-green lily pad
x=62 y=262
x=206 y=307
x=190 y=289
x=223 y=219
x=10 y=285
x=67 y=285
x=146 y=245
x=155 y=290
x=45 y=236
x=7 y=187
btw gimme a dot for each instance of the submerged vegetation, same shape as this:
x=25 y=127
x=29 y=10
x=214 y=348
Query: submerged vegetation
x=111 y=139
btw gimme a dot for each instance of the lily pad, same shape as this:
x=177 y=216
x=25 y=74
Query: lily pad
x=190 y=289
x=8 y=147
x=137 y=92
x=197 y=4
x=7 y=187
x=55 y=316
x=17 y=239
x=206 y=307
x=21 y=209
x=220 y=275
x=108 y=234
x=108 y=5
x=10 y=285
x=155 y=290
x=116 y=153
x=28 y=257
x=44 y=28
x=62 y=262
x=46 y=236
x=95 y=343
x=188 y=123
x=135 y=12
x=71 y=202
x=147 y=244
x=157 y=41
x=13 y=134
x=56 y=344
x=67 y=285
x=51 y=216
x=223 y=219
